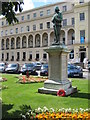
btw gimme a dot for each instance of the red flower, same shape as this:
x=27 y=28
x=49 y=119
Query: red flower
x=24 y=80
x=61 y=93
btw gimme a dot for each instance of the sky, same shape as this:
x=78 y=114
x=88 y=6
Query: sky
x=30 y=4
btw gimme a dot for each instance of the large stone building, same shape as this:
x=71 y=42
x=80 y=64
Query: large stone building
x=26 y=41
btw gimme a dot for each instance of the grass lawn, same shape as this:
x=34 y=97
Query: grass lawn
x=20 y=97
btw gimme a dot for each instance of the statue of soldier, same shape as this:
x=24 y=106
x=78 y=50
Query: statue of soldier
x=56 y=20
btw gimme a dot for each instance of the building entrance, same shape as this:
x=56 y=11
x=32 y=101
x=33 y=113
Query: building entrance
x=82 y=56
x=82 y=52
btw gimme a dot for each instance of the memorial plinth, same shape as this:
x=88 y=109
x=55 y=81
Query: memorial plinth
x=58 y=78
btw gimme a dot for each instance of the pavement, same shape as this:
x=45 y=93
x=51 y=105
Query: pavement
x=85 y=70
x=86 y=74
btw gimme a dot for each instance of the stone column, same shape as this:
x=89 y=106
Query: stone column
x=0 y=44
x=27 y=42
x=10 y=43
x=33 y=41
x=15 y=43
x=20 y=52
x=48 y=39
x=40 y=40
x=26 y=55
x=66 y=37
x=21 y=42
x=4 y=44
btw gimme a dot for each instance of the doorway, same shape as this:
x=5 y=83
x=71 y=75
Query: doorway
x=82 y=56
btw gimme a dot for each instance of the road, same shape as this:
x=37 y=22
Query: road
x=86 y=75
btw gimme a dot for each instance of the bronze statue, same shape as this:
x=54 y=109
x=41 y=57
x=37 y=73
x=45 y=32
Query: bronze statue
x=56 y=20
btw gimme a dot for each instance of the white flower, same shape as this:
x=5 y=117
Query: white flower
x=45 y=109
x=39 y=109
x=52 y=110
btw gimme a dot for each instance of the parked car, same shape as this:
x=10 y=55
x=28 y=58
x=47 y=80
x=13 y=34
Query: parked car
x=2 y=67
x=30 y=67
x=44 y=70
x=13 y=68
x=38 y=65
x=74 y=71
x=88 y=66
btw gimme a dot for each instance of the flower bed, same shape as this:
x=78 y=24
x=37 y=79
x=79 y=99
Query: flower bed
x=2 y=87
x=60 y=114
x=2 y=79
x=31 y=79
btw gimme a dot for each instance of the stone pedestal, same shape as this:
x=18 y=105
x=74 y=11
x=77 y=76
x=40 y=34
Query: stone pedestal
x=58 y=78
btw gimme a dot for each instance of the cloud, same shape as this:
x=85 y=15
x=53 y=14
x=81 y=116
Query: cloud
x=28 y=4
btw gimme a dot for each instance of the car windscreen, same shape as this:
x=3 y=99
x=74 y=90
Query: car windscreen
x=29 y=65
x=1 y=65
x=44 y=66
x=12 y=65
x=72 y=67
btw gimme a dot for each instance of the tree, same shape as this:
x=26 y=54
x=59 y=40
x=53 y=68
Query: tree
x=8 y=10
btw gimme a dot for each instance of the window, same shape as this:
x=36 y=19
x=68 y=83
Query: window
x=65 y=22
x=1 y=33
x=37 y=56
x=11 y=31
x=2 y=23
x=30 y=56
x=73 y=21
x=41 y=25
x=71 y=55
x=44 y=56
x=22 y=18
x=6 y=22
x=82 y=36
x=73 y=38
x=28 y=17
x=24 y=56
x=64 y=40
x=22 y=29
x=48 y=12
x=28 y=28
x=82 y=16
x=41 y=13
x=34 y=27
x=18 y=56
x=64 y=8
x=34 y=15
x=81 y=1
x=2 y=56
x=16 y=30
x=48 y=24
x=6 y=32
x=7 y=57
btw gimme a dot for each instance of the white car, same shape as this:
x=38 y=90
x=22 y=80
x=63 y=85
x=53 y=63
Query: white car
x=2 y=67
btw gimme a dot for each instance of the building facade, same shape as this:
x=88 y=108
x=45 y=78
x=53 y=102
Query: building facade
x=25 y=41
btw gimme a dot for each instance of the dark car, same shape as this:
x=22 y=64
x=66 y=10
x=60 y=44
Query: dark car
x=30 y=68
x=13 y=68
x=44 y=70
x=74 y=71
